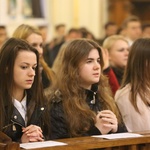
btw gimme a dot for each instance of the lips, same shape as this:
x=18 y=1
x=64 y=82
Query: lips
x=96 y=74
x=29 y=81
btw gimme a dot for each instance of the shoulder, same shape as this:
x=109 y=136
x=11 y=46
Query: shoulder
x=56 y=102
x=123 y=94
x=122 y=99
x=56 y=106
x=56 y=97
x=53 y=96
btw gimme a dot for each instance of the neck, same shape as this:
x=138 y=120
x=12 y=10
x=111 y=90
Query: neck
x=86 y=87
x=19 y=95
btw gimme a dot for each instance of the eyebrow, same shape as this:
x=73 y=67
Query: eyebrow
x=92 y=58
x=28 y=63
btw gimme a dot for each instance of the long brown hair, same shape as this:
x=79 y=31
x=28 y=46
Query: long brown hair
x=77 y=112
x=35 y=95
x=137 y=71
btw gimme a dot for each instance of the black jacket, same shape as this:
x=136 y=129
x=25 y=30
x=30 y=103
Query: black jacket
x=59 y=128
x=13 y=126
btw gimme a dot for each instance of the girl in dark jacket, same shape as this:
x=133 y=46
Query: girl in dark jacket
x=81 y=102
x=22 y=106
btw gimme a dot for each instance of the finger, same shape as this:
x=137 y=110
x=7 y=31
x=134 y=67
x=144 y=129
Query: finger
x=35 y=134
x=113 y=127
x=109 y=116
x=107 y=112
x=35 y=139
x=31 y=129
x=110 y=120
x=109 y=126
x=27 y=128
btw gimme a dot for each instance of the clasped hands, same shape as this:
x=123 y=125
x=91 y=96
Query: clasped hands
x=32 y=133
x=106 y=121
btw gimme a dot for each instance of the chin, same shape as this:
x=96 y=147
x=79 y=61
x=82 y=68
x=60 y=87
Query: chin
x=28 y=87
x=95 y=81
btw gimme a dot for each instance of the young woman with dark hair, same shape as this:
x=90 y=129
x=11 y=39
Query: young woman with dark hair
x=23 y=111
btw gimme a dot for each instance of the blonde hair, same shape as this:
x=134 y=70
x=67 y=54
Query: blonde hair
x=24 y=31
x=108 y=42
x=58 y=61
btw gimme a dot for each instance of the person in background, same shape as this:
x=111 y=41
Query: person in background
x=23 y=109
x=108 y=71
x=46 y=44
x=110 y=28
x=3 y=35
x=58 y=61
x=118 y=49
x=60 y=30
x=121 y=31
x=132 y=29
x=33 y=36
x=85 y=33
x=60 y=33
x=82 y=93
x=146 y=30
x=44 y=31
x=73 y=33
x=133 y=98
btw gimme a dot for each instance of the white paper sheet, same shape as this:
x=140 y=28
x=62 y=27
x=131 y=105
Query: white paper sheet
x=118 y=135
x=33 y=145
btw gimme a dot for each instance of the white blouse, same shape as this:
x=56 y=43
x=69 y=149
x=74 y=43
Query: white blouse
x=21 y=107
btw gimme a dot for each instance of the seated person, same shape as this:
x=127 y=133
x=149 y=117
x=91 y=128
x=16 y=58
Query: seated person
x=81 y=103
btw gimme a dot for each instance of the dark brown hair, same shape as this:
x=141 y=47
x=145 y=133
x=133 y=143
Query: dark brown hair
x=35 y=95
x=137 y=71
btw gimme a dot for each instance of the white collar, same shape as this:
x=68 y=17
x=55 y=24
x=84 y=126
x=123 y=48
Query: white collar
x=21 y=107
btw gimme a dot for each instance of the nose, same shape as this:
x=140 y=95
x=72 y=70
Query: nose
x=96 y=65
x=31 y=72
